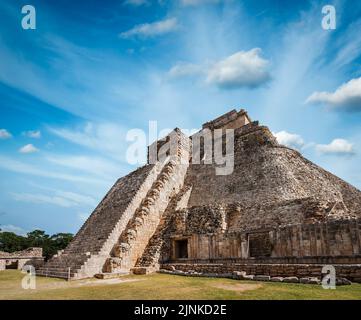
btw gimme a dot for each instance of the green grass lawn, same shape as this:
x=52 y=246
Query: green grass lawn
x=163 y=286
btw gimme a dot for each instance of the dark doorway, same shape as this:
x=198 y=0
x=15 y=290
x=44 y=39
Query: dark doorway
x=181 y=249
x=259 y=245
x=12 y=264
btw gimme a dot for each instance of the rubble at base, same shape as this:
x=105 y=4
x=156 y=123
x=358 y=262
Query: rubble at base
x=241 y=275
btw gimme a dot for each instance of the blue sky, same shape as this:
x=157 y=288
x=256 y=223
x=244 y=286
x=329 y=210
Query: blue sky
x=72 y=88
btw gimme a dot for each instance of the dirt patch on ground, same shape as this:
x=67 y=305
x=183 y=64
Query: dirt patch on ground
x=106 y=281
x=239 y=287
x=81 y=283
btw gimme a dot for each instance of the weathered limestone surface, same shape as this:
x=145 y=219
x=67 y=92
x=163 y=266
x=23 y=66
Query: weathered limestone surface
x=276 y=212
x=91 y=246
x=18 y=259
x=348 y=271
x=329 y=238
x=147 y=217
x=267 y=176
x=160 y=243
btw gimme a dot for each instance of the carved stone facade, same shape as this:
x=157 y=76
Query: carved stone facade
x=275 y=208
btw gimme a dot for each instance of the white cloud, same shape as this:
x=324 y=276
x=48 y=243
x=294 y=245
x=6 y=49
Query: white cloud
x=11 y=228
x=60 y=198
x=241 y=69
x=346 y=97
x=29 y=148
x=151 y=29
x=136 y=3
x=336 y=147
x=289 y=139
x=197 y=2
x=4 y=134
x=36 y=134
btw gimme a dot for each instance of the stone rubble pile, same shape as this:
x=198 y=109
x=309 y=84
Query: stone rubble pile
x=241 y=275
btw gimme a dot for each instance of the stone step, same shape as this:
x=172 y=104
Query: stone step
x=51 y=270
x=108 y=275
x=139 y=232
x=68 y=259
x=56 y=275
x=102 y=223
x=65 y=267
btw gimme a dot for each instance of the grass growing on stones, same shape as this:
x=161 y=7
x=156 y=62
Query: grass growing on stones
x=163 y=286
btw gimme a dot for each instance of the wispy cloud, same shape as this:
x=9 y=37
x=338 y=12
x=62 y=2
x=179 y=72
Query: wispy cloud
x=93 y=165
x=82 y=216
x=42 y=199
x=198 y=2
x=349 y=45
x=36 y=134
x=11 y=228
x=151 y=29
x=5 y=134
x=136 y=3
x=61 y=198
x=29 y=148
x=86 y=82
x=24 y=168
x=347 y=97
x=184 y=69
x=336 y=147
x=101 y=137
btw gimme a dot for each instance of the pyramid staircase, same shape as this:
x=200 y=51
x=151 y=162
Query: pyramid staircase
x=149 y=261
x=87 y=252
x=126 y=217
x=140 y=229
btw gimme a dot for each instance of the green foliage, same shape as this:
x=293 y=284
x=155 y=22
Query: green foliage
x=10 y=242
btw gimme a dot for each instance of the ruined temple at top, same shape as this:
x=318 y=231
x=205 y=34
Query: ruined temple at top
x=275 y=209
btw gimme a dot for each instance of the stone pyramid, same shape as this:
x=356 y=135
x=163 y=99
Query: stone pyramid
x=274 y=205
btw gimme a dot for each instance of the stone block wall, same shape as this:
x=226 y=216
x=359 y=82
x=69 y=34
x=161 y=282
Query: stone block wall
x=31 y=256
x=332 y=238
x=322 y=239
x=349 y=271
x=230 y=120
x=29 y=252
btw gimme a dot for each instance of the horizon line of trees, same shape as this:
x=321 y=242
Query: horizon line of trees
x=11 y=242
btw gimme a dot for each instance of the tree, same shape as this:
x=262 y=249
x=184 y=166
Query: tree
x=10 y=242
x=37 y=238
